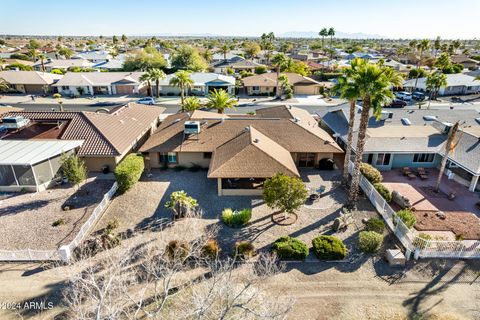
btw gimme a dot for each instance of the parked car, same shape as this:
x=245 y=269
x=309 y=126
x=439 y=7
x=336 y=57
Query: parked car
x=419 y=96
x=403 y=95
x=397 y=103
x=147 y=100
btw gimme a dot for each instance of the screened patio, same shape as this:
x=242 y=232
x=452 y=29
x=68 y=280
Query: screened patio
x=31 y=165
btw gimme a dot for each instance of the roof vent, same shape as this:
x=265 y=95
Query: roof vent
x=296 y=119
x=406 y=121
x=247 y=129
x=478 y=120
x=256 y=140
x=16 y=122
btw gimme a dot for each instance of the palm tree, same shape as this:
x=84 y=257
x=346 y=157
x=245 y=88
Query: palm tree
x=279 y=61
x=225 y=48
x=221 y=100
x=124 y=40
x=450 y=145
x=183 y=81
x=434 y=82
x=156 y=75
x=331 y=33
x=146 y=77
x=191 y=103
x=42 y=58
x=3 y=85
x=348 y=90
x=374 y=84
x=422 y=46
x=323 y=33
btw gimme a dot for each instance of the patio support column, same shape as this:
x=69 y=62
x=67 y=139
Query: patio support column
x=219 y=186
x=473 y=183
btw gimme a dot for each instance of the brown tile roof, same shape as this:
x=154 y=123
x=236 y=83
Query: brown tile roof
x=270 y=79
x=251 y=154
x=105 y=134
x=295 y=136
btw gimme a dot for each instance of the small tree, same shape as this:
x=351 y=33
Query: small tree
x=58 y=97
x=181 y=204
x=74 y=169
x=284 y=193
x=129 y=171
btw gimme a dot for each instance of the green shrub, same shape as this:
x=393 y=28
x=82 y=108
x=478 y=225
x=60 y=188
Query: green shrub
x=73 y=168
x=375 y=224
x=329 y=248
x=244 y=250
x=112 y=225
x=384 y=192
x=371 y=173
x=369 y=241
x=211 y=249
x=128 y=172
x=177 y=249
x=58 y=222
x=407 y=217
x=290 y=248
x=234 y=218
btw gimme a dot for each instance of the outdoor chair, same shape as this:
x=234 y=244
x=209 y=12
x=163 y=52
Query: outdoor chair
x=411 y=176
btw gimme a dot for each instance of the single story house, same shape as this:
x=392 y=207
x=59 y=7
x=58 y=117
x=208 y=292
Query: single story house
x=203 y=83
x=111 y=65
x=107 y=137
x=237 y=65
x=465 y=61
x=458 y=83
x=240 y=152
x=6 y=62
x=30 y=82
x=414 y=138
x=62 y=64
x=266 y=84
x=94 y=56
x=104 y=83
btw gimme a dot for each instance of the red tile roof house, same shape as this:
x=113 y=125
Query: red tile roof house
x=241 y=151
x=107 y=137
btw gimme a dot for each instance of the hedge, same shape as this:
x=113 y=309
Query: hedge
x=329 y=248
x=290 y=248
x=407 y=217
x=375 y=224
x=371 y=173
x=128 y=171
x=384 y=192
x=369 y=241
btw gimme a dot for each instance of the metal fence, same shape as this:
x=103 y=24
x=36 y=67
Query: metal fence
x=422 y=248
x=52 y=255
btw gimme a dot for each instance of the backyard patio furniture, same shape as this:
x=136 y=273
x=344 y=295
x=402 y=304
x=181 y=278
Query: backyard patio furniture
x=423 y=176
x=411 y=176
x=314 y=197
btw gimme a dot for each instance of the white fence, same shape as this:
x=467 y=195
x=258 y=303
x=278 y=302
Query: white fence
x=64 y=252
x=422 y=248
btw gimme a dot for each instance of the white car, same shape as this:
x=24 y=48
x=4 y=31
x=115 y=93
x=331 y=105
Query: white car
x=405 y=96
x=148 y=100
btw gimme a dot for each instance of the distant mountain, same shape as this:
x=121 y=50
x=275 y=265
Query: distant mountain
x=338 y=34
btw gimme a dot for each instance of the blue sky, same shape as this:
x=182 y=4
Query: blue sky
x=406 y=18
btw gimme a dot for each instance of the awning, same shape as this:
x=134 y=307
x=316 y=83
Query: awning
x=30 y=152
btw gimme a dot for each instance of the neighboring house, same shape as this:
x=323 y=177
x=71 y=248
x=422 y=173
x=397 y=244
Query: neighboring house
x=395 y=65
x=30 y=82
x=241 y=151
x=266 y=84
x=62 y=64
x=103 y=83
x=458 y=83
x=236 y=65
x=94 y=56
x=414 y=138
x=107 y=137
x=464 y=60
x=111 y=65
x=219 y=57
x=203 y=83
x=6 y=62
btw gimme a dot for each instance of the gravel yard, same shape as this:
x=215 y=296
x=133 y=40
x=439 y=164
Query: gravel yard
x=26 y=218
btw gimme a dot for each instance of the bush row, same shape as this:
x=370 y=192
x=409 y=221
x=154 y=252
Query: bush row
x=324 y=247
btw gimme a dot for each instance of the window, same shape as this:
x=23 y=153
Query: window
x=370 y=158
x=423 y=157
x=383 y=159
x=168 y=157
x=207 y=155
x=65 y=88
x=256 y=88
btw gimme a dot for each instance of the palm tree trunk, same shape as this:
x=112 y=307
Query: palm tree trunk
x=278 y=82
x=157 y=89
x=449 y=145
x=182 y=96
x=149 y=88
x=362 y=131
x=348 y=151
x=418 y=68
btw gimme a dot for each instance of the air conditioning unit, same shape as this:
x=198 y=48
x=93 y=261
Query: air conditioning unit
x=192 y=127
x=386 y=115
x=15 y=122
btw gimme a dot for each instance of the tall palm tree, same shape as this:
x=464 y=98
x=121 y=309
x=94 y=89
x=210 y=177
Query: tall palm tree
x=450 y=145
x=374 y=85
x=331 y=34
x=221 y=100
x=434 y=82
x=348 y=90
x=279 y=61
x=183 y=81
x=42 y=58
x=124 y=40
x=323 y=33
x=191 y=103
x=224 y=49
x=157 y=75
x=422 y=46
x=146 y=77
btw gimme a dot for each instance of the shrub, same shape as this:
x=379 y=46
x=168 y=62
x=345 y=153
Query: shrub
x=290 y=248
x=369 y=241
x=181 y=204
x=128 y=172
x=407 y=217
x=112 y=225
x=234 y=218
x=375 y=224
x=244 y=250
x=329 y=248
x=260 y=70
x=384 y=192
x=73 y=168
x=177 y=249
x=372 y=174
x=211 y=249
x=58 y=222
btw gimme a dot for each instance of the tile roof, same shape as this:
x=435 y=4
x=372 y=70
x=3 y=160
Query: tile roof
x=98 y=78
x=66 y=63
x=270 y=79
x=200 y=78
x=29 y=77
x=105 y=134
x=251 y=154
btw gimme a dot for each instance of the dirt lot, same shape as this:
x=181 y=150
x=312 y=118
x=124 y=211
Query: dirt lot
x=26 y=218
